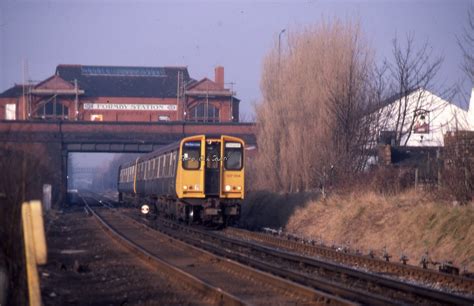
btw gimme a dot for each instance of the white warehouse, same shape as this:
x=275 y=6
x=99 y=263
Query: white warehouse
x=428 y=118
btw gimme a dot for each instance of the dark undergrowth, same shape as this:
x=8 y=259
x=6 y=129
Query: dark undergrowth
x=11 y=252
x=269 y=209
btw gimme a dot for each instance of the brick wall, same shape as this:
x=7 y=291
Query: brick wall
x=127 y=115
x=458 y=157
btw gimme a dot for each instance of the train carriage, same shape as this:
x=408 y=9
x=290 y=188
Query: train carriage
x=198 y=179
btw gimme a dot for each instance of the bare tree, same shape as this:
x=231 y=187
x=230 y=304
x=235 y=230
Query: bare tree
x=466 y=43
x=412 y=73
x=316 y=92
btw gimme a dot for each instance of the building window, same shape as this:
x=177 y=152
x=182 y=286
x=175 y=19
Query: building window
x=10 y=112
x=53 y=110
x=198 y=113
x=97 y=117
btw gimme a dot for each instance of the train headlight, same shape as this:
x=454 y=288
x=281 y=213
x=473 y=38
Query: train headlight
x=227 y=188
x=145 y=209
x=239 y=188
x=185 y=187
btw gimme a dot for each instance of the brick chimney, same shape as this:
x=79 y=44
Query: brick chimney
x=219 y=76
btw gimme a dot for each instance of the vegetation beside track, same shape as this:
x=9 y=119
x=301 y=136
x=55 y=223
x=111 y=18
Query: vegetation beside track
x=410 y=222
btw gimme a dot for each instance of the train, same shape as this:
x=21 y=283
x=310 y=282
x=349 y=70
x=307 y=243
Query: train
x=199 y=179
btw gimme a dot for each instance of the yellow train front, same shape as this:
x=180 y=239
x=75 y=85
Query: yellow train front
x=204 y=185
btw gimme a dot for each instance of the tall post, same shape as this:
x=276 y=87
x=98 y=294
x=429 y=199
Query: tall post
x=64 y=176
x=416 y=178
x=231 y=116
x=178 y=94
x=76 y=100
x=279 y=45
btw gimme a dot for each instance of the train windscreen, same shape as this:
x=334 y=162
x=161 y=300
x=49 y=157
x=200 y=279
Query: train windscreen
x=233 y=156
x=191 y=155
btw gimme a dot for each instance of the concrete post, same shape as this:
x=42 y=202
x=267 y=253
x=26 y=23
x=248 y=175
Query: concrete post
x=3 y=284
x=64 y=178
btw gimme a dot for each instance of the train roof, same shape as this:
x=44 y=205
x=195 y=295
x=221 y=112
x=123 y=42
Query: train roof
x=168 y=148
x=161 y=150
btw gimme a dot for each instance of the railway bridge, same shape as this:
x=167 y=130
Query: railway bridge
x=50 y=142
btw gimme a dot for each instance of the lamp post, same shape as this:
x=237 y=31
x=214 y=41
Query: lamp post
x=279 y=44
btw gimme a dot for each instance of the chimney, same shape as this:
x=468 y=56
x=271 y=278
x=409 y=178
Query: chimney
x=219 y=76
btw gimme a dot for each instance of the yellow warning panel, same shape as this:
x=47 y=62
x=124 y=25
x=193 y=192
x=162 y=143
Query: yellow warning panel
x=35 y=246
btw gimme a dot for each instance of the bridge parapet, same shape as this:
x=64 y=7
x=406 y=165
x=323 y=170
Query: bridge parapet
x=117 y=135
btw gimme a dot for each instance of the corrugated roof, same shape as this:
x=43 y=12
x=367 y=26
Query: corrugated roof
x=125 y=81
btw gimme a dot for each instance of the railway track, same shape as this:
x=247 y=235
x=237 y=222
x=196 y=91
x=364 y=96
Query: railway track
x=408 y=273
x=330 y=277
x=359 y=286
x=221 y=280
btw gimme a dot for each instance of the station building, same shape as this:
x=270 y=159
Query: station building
x=120 y=93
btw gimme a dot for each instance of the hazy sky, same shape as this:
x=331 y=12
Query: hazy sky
x=203 y=34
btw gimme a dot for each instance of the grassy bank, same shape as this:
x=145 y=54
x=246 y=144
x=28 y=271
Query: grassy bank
x=410 y=222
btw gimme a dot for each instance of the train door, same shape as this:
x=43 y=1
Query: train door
x=212 y=170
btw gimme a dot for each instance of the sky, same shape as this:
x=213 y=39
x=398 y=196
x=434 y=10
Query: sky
x=204 y=34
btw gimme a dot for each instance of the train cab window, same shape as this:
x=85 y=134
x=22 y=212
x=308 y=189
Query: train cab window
x=213 y=155
x=233 y=156
x=191 y=155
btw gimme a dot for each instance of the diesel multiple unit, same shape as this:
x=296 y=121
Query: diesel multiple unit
x=198 y=179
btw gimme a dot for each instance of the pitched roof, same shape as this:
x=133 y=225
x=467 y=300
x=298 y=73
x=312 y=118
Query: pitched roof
x=206 y=84
x=14 y=91
x=54 y=82
x=392 y=99
x=207 y=87
x=124 y=81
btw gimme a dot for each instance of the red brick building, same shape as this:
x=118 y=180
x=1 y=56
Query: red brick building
x=117 y=93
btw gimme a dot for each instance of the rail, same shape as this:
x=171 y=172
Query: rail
x=219 y=294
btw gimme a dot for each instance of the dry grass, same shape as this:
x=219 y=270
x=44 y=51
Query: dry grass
x=411 y=222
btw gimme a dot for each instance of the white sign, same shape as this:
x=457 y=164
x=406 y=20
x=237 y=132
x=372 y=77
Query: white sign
x=130 y=107
x=233 y=145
